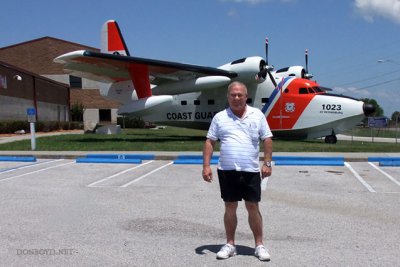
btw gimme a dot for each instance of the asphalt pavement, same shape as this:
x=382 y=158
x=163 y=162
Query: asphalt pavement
x=57 y=212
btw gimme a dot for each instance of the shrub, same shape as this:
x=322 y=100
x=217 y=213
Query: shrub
x=130 y=122
x=9 y=127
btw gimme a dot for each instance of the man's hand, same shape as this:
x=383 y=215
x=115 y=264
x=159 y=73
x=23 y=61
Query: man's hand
x=266 y=171
x=207 y=174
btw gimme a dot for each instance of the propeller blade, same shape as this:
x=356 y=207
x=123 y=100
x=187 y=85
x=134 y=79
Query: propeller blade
x=266 y=50
x=272 y=78
x=306 y=60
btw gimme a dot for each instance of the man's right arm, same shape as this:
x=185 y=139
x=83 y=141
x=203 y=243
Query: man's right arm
x=208 y=150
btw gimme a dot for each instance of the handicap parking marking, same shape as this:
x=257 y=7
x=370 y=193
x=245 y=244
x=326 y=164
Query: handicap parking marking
x=36 y=171
x=391 y=178
x=12 y=169
x=359 y=178
x=94 y=184
x=147 y=174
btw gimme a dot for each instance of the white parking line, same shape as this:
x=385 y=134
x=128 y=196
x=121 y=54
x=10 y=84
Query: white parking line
x=48 y=168
x=362 y=181
x=147 y=174
x=117 y=174
x=28 y=166
x=385 y=173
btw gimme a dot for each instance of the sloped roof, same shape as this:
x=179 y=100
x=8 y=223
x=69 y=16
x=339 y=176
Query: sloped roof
x=91 y=98
x=37 y=76
x=37 y=55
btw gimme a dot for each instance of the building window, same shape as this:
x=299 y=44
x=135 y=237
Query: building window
x=75 y=82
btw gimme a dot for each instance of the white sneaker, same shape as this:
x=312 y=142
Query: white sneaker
x=262 y=253
x=226 y=251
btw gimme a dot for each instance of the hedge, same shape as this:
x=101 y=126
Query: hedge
x=9 y=127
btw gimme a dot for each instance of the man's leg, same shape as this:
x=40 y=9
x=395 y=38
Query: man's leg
x=255 y=221
x=230 y=221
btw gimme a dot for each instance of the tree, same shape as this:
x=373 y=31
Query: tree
x=378 y=110
x=77 y=111
x=395 y=116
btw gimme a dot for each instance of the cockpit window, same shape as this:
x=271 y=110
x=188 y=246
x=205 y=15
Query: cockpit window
x=238 y=61
x=311 y=91
x=303 y=91
x=317 y=89
x=282 y=70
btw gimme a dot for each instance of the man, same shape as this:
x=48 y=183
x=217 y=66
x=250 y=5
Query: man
x=239 y=129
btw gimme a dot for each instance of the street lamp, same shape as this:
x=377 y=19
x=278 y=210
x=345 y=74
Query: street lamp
x=396 y=63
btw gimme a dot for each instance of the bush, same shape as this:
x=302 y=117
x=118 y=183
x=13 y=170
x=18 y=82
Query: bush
x=9 y=127
x=130 y=122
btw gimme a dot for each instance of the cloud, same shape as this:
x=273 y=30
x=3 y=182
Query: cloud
x=352 y=91
x=369 y=9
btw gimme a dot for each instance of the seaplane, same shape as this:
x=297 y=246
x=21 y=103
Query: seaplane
x=187 y=95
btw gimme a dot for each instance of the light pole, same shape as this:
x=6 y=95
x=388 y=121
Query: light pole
x=396 y=63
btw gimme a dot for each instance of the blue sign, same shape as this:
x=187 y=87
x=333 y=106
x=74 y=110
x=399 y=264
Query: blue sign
x=378 y=122
x=31 y=111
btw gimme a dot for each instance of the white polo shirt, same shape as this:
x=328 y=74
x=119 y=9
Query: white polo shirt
x=240 y=138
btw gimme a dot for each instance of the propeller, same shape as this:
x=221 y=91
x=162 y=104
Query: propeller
x=306 y=54
x=265 y=68
x=306 y=74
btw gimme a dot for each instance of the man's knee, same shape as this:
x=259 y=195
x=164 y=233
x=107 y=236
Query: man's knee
x=251 y=206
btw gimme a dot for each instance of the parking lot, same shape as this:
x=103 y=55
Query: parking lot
x=56 y=212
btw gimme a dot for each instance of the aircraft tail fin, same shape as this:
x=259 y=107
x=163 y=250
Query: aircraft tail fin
x=112 y=41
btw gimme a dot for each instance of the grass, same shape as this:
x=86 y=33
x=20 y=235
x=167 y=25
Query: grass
x=178 y=139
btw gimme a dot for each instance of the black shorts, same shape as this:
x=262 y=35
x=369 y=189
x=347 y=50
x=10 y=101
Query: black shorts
x=238 y=185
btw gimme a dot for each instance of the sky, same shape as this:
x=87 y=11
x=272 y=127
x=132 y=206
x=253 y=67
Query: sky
x=354 y=45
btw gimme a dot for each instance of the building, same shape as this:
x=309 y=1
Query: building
x=48 y=85
x=21 y=90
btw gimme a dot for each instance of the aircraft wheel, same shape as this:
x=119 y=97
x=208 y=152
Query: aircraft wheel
x=330 y=139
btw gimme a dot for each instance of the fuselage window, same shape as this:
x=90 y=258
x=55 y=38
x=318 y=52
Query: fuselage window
x=183 y=102
x=211 y=101
x=303 y=91
x=286 y=91
x=196 y=102
x=249 y=100
x=264 y=100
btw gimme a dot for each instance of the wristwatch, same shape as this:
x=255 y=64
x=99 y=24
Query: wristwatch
x=268 y=164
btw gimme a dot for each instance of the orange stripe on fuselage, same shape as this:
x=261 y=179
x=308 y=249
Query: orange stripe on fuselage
x=114 y=39
x=287 y=110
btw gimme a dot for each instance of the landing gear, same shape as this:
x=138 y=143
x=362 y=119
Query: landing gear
x=330 y=139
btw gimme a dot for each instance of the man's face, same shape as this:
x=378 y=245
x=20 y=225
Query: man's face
x=237 y=98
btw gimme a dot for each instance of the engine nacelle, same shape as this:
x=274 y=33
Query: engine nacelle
x=295 y=71
x=246 y=68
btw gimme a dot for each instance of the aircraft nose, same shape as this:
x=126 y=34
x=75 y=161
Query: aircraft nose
x=368 y=109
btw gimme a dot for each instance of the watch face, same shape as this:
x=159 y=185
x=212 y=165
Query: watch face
x=268 y=164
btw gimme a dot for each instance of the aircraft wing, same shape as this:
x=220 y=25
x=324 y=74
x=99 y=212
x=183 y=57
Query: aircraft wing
x=115 y=68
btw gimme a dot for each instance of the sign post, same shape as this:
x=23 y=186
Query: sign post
x=31 y=113
x=377 y=122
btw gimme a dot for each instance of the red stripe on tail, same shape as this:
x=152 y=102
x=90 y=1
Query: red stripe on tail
x=140 y=78
x=114 y=40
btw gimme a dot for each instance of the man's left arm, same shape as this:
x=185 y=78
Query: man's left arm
x=266 y=169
